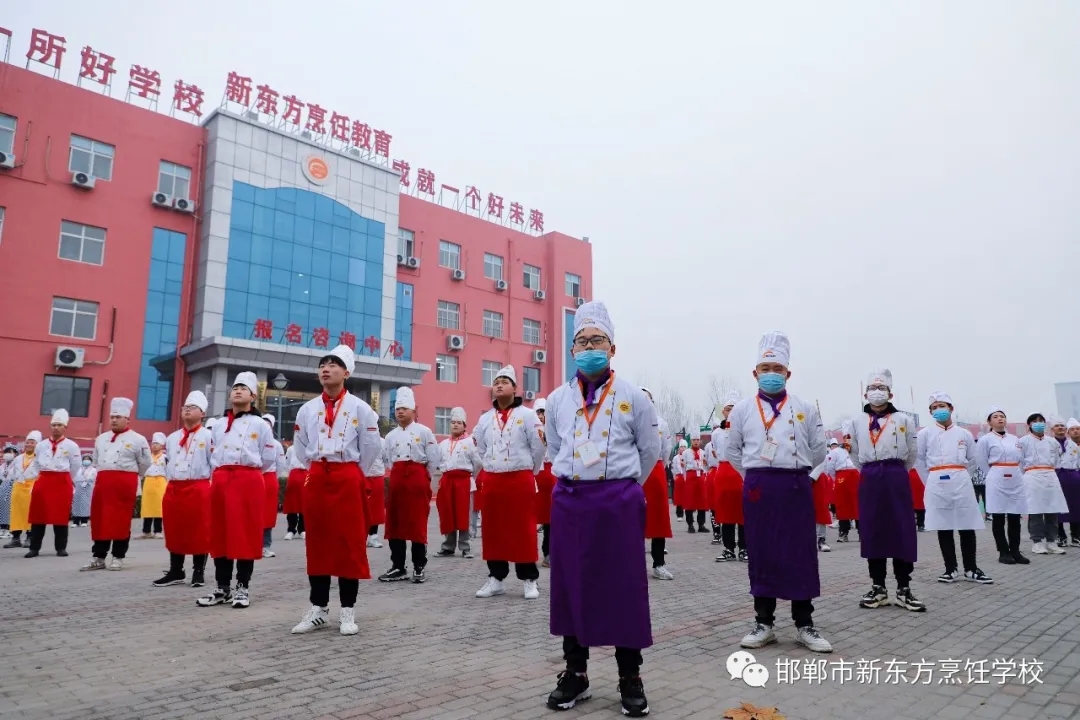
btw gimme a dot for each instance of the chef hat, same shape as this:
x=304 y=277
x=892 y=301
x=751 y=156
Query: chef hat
x=121 y=406
x=993 y=409
x=269 y=419
x=248 y=380
x=594 y=315
x=774 y=348
x=1053 y=420
x=405 y=399
x=159 y=438
x=345 y=354
x=212 y=422
x=60 y=416
x=695 y=434
x=34 y=435
x=833 y=441
x=458 y=415
x=540 y=404
x=196 y=398
x=1072 y=422
x=682 y=442
x=880 y=377
x=731 y=398
x=940 y=396
x=508 y=373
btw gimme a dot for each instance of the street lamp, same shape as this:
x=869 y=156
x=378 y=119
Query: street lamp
x=280 y=383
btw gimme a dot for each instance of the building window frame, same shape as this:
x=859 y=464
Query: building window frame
x=489 y=369
x=77 y=309
x=448 y=315
x=531 y=331
x=9 y=124
x=493 y=266
x=493 y=324
x=531 y=276
x=449 y=255
x=92 y=157
x=77 y=390
x=442 y=420
x=406 y=242
x=171 y=176
x=446 y=368
x=573 y=285
x=530 y=379
x=78 y=235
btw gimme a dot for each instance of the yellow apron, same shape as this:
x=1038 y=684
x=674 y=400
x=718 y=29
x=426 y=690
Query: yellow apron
x=20 y=505
x=153 y=491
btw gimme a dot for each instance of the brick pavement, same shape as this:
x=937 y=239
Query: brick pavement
x=108 y=645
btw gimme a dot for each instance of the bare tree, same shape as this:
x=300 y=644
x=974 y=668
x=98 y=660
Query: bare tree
x=717 y=391
x=671 y=406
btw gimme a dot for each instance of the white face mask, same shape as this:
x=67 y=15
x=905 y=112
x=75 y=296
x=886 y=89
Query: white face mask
x=877 y=397
x=8 y=457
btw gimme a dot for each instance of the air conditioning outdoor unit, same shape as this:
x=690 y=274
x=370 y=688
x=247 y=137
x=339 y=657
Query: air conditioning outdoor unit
x=70 y=357
x=413 y=262
x=184 y=205
x=539 y=356
x=455 y=342
x=500 y=285
x=83 y=180
x=458 y=275
x=530 y=395
x=7 y=160
x=580 y=301
x=161 y=200
x=539 y=295
x=402 y=260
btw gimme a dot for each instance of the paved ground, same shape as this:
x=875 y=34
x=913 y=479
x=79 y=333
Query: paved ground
x=108 y=645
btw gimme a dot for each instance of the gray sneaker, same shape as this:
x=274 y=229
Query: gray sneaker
x=240 y=598
x=811 y=639
x=759 y=637
x=94 y=564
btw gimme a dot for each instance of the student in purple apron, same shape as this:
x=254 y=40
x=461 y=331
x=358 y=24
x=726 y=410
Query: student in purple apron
x=774 y=440
x=603 y=435
x=883 y=448
x=1068 y=472
x=999 y=460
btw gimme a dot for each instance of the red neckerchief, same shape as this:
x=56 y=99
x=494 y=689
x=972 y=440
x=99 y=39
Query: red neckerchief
x=697 y=453
x=233 y=416
x=56 y=443
x=116 y=435
x=504 y=415
x=331 y=405
x=187 y=434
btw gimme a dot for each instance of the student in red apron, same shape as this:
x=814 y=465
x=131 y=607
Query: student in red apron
x=459 y=462
x=121 y=455
x=657 y=511
x=186 y=506
x=545 y=483
x=838 y=465
x=414 y=457
x=271 y=490
x=695 y=499
x=50 y=504
x=293 y=507
x=728 y=507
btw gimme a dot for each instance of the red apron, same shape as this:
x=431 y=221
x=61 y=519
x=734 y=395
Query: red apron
x=334 y=517
x=545 y=485
x=50 y=501
x=846 y=494
x=917 y=489
x=822 y=496
x=294 y=491
x=452 y=501
x=375 y=499
x=113 y=505
x=409 y=503
x=728 y=507
x=510 y=520
x=657 y=513
x=478 y=498
x=694 y=496
x=185 y=512
x=237 y=510
x=679 y=492
x=270 y=499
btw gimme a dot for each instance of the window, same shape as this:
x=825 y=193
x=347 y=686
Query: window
x=442 y=421
x=573 y=285
x=406 y=243
x=449 y=255
x=493 y=324
x=174 y=180
x=82 y=243
x=532 y=277
x=531 y=332
x=493 y=267
x=449 y=315
x=69 y=393
x=91 y=157
x=491 y=368
x=531 y=380
x=446 y=368
x=73 y=318
x=7 y=133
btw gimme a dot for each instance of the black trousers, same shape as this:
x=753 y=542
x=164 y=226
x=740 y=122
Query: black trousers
x=151 y=525
x=845 y=526
x=80 y=519
x=901 y=569
x=500 y=569
x=678 y=511
x=656 y=549
x=397 y=554
x=728 y=534
x=119 y=548
x=948 y=549
x=223 y=571
x=37 y=536
x=296 y=522
x=802 y=611
x=577 y=658
x=373 y=530
x=1007 y=542
x=1074 y=530
x=980 y=493
x=320 y=590
x=176 y=563
x=545 y=539
x=920 y=518
x=700 y=519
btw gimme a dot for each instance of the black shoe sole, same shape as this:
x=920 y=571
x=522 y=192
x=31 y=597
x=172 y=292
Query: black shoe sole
x=403 y=578
x=178 y=581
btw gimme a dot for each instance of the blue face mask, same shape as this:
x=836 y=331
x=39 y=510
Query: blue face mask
x=1038 y=427
x=86 y=463
x=942 y=415
x=771 y=382
x=592 y=362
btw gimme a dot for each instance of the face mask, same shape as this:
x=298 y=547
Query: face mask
x=942 y=415
x=86 y=462
x=591 y=362
x=877 y=397
x=9 y=457
x=771 y=382
x=1038 y=427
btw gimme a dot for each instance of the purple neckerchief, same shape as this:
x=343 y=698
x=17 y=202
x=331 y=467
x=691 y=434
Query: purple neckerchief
x=592 y=386
x=1061 y=441
x=876 y=418
x=774 y=400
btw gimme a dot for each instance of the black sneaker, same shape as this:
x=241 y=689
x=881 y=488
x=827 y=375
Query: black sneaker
x=906 y=600
x=691 y=529
x=843 y=537
x=949 y=576
x=877 y=597
x=1020 y=558
x=1076 y=542
x=978 y=576
x=13 y=543
x=634 y=703
x=743 y=557
x=197 y=579
x=1006 y=559
x=726 y=556
x=678 y=512
x=220 y=596
x=467 y=554
x=61 y=553
x=1062 y=542
x=170 y=578
x=394 y=575
x=716 y=540
x=445 y=553
x=31 y=554
x=572 y=688
x=418 y=576
x=701 y=529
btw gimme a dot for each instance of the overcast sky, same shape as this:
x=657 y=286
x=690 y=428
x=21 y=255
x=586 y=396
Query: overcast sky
x=892 y=184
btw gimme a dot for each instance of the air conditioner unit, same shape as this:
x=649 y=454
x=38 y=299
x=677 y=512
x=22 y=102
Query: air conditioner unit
x=161 y=200
x=500 y=285
x=7 y=160
x=455 y=342
x=539 y=295
x=458 y=275
x=580 y=301
x=184 y=205
x=70 y=357
x=402 y=260
x=413 y=262
x=530 y=395
x=539 y=356
x=83 y=180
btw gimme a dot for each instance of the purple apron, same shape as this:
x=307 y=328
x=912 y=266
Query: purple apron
x=886 y=527
x=781 y=536
x=599 y=580
x=1070 y=486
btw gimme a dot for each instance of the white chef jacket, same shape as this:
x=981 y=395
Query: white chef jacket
x=625 y=432
x=711 y=458
x=897 y=440
x=294 y=461
x=124 y=452
x=415 y=443
x=1070 y=459
x=353 y=439
x=86 y=475
x=939 y=447
x=66 y=458
x=516 y=446
x=378 y=467
x=459 y=454
x=248 y=443
x=992 y=449
x=191 y=462
x=1035 y=452
x=836 y=460
x=719 y=444
x=797 y=431
x=689 y=462
x=666 y=439
x=30 y=472
x=677 y=468
x=158 y=464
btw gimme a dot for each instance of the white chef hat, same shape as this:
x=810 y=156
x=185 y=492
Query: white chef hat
x=994 y=409
x=34 y=435
x=121 y=406
x=196 y=398
x=60 y=416
x=1053 y=420
x=594 y=315
x=508 y=373
x=833 y=441
x=731 y=398
x=345 y=354
x=940 y=396
x=212 y=422
x=1072 y=422
x=695 y=434
x=269 y=419
x=458 y=415
x=682 y=442
x=159 y=438
x=880 y=377
x=540 y=404
x=774 y=348
x=248 y=380
x=405 y=399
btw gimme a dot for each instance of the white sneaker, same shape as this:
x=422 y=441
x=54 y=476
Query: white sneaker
x=491 y=588
x=159 y=536
x=662 y=573
x=532 y=590
x=1039 y=548
x=811 y=639
x=347 y=620
x=314 y=619
x=824 y=547
x=1053 y=549
x=288 y=536
x=303 y=535
x=759 y=637
x=268 y=553
x=373 y=541
x=116 y=564
x=241 y=597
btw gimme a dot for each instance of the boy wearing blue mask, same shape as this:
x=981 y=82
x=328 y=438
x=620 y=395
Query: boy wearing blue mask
x=1039 y=456
x=774 y=440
